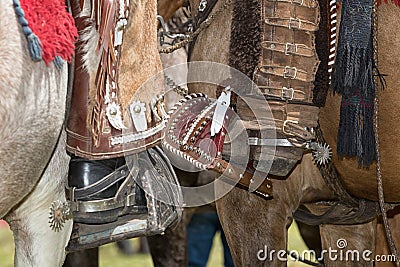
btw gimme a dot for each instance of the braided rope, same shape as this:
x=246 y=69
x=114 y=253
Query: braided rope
x=175 y=87
x=389 y=236
x=202 y=26
x=34 y=44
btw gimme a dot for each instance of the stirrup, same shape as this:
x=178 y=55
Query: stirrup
x=147 y=202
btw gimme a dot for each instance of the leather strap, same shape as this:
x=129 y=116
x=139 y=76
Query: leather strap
x=118 y=145
x=293 y=129
x=303 y=3
x=284 y=93
x=287 y=72
x=100 y=185
x=289 y=48
x=292 y=23
x=246 y=179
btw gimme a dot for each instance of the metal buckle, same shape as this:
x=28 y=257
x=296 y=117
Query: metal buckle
x=297 y=2
x=290 y=48
x=287 y=93
x=203 y=5
x=294 y=23
x=285 y=124
x=290 y=72
x=71 y=193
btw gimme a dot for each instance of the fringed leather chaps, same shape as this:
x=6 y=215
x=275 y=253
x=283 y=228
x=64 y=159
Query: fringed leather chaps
x=97 y=126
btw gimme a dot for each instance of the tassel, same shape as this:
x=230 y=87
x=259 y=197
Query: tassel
x=356 y=135
x=50 y=30
x=353 y=71
x=58 y=62
x=353 y=77
x=34 y=44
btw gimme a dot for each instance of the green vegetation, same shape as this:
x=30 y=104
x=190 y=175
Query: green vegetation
x=110 y=256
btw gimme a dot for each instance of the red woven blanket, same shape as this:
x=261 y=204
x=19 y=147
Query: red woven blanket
x=53 y=25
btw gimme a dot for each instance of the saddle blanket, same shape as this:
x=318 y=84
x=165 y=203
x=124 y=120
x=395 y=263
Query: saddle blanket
x=54 y=26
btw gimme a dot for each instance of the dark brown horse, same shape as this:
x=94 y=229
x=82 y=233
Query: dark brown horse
x=253 y=224
x=257 y=224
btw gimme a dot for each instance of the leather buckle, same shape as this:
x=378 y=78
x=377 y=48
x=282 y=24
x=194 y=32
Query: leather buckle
x=287 y=93
x=285 y=124
x=294 y=23
x=290 y=72
x=297 y=2
x=290 y=49
x=202 y=5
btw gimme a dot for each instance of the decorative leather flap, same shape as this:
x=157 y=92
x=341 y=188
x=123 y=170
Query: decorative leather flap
x=188 y=130
x=189 y=137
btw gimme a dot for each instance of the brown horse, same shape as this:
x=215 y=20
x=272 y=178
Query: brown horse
x=254 y=225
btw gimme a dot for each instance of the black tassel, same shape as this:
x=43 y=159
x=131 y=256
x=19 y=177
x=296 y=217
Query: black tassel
x=353 y=71
x=356 y=134
x=353 y=77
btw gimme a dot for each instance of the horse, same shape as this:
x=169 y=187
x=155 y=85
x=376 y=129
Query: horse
x=34 y=161
x=32 y=111
x=254 y=225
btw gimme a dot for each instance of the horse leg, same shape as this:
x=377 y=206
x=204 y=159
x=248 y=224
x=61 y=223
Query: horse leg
x=35 y=243
x=348 y=245
x=311 y=237
x=256 y=229
x=86 y=258
x=169 y=250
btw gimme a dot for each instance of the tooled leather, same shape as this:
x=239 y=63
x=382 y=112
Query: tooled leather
x=89 y=132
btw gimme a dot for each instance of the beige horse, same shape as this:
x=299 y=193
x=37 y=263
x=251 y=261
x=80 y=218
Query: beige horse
x=31 y=175
x=253 y=224
x=32 y=109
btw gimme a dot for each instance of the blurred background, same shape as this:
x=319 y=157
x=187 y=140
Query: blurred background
x=111 y=255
